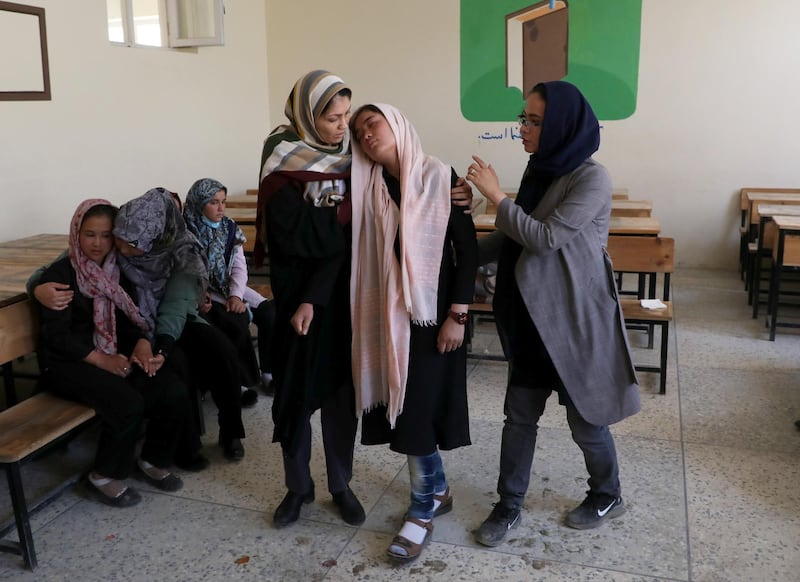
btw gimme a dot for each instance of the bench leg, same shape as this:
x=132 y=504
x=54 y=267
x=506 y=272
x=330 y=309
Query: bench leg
x=21 y=514
x=664 y=346
x=8 y=382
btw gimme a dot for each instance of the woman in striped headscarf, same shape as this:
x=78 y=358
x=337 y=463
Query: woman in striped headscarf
x=304 y=220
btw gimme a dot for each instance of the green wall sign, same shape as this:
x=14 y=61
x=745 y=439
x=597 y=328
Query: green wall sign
x=507 y=45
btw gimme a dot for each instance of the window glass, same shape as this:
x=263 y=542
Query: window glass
x=116 y=28
x=146 y=23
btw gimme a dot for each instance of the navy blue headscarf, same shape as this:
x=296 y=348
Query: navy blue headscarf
x=570 y=130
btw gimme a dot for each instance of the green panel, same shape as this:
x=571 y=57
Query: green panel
x=603 y=57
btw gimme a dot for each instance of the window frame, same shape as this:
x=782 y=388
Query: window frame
x=168 y=21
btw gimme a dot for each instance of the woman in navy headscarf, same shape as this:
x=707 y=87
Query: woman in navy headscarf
x=556 y=305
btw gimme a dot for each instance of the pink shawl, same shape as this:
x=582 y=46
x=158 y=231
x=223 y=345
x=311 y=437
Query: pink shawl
x=387 y=296
x=101 y=283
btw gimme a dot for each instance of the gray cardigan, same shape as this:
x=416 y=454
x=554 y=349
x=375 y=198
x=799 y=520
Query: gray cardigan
x=566 y=280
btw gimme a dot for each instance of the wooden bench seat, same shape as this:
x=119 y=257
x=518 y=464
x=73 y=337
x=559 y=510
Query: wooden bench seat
x=30 y=426
x=648 y=256
x=26 y=429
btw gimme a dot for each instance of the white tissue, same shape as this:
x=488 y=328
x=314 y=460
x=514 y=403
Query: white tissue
x=653 y=304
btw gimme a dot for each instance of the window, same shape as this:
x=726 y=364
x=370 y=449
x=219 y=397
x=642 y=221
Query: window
x=158 y=23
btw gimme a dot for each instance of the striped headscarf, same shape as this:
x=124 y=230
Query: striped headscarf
x=101 y=283
x=295 y=153
x=213 y=238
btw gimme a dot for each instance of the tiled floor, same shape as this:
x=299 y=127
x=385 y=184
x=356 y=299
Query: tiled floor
x=710 y=475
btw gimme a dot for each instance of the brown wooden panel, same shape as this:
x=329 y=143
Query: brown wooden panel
x=37 y=421
x=642 y=254
x=632 y=310
x=19 y=330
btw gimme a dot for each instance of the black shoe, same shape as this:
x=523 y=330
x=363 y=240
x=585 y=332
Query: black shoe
x=493 y=530
x=128 y=498
x=170 y=482
x=194 y=463
x=289 y=509
x=595 y=510
x=249 y=398
x=232 y=449
x=350 y=508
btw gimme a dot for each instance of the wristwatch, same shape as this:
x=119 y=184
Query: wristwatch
x=459 y=318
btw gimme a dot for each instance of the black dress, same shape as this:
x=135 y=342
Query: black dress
x=435 y=411
x=309 y=256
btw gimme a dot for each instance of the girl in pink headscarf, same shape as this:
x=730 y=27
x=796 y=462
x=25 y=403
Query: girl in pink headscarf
x=96 y=351
x=413 y=271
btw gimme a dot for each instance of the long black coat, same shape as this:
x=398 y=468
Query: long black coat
x=309 y=258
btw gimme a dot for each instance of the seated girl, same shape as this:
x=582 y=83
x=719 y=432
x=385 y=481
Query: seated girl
x=96 y=351
x=164 y=261
x=231 y=304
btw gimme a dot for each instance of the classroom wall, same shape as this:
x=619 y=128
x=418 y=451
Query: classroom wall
x=717 y=86
x=123 y=120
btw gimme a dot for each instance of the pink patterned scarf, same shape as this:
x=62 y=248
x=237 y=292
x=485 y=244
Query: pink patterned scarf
x=387 y=296
x=101 y=283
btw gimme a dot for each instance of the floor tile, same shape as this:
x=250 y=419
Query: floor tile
x=744 y=523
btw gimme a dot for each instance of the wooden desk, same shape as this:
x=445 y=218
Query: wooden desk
x=246 y=219
x=640 y=208
x=241 y=201
x=484 y=222
x=786 y=257
x=766 y=241
x=634 y=225
x=621 y=225
x=745 y=201
x=21 y=257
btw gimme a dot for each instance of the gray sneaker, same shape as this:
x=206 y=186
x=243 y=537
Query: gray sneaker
x=594 y=511
x=493 y=530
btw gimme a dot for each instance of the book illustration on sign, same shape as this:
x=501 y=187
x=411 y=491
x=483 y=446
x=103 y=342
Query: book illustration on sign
x=536 y=45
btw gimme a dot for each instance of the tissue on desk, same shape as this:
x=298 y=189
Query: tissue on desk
x=653 y=304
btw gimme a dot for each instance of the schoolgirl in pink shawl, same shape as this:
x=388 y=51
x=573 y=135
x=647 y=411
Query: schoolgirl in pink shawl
x=96 y=351
x=413 y=270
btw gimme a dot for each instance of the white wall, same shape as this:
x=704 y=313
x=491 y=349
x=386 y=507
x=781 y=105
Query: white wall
x=123 y=120
x=718 y=82
x=717 y=85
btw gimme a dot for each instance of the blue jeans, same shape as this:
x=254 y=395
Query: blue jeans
x=427 y=477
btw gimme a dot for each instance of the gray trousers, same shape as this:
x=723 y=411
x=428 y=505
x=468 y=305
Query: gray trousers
x=523 y=408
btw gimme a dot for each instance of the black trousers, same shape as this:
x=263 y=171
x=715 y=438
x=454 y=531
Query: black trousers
x=236 y=327
x=264 y=318
x=214 y=368
x=339 y=425
x=122 y=405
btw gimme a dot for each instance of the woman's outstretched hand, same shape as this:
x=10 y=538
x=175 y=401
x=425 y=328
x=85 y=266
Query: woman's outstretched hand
x=483 y=176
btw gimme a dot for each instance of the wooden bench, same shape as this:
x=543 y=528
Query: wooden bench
x=31 y=426
x=650 y=256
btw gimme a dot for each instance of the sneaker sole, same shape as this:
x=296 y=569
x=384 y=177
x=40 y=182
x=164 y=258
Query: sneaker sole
x=616 y=512
x=495 y=543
